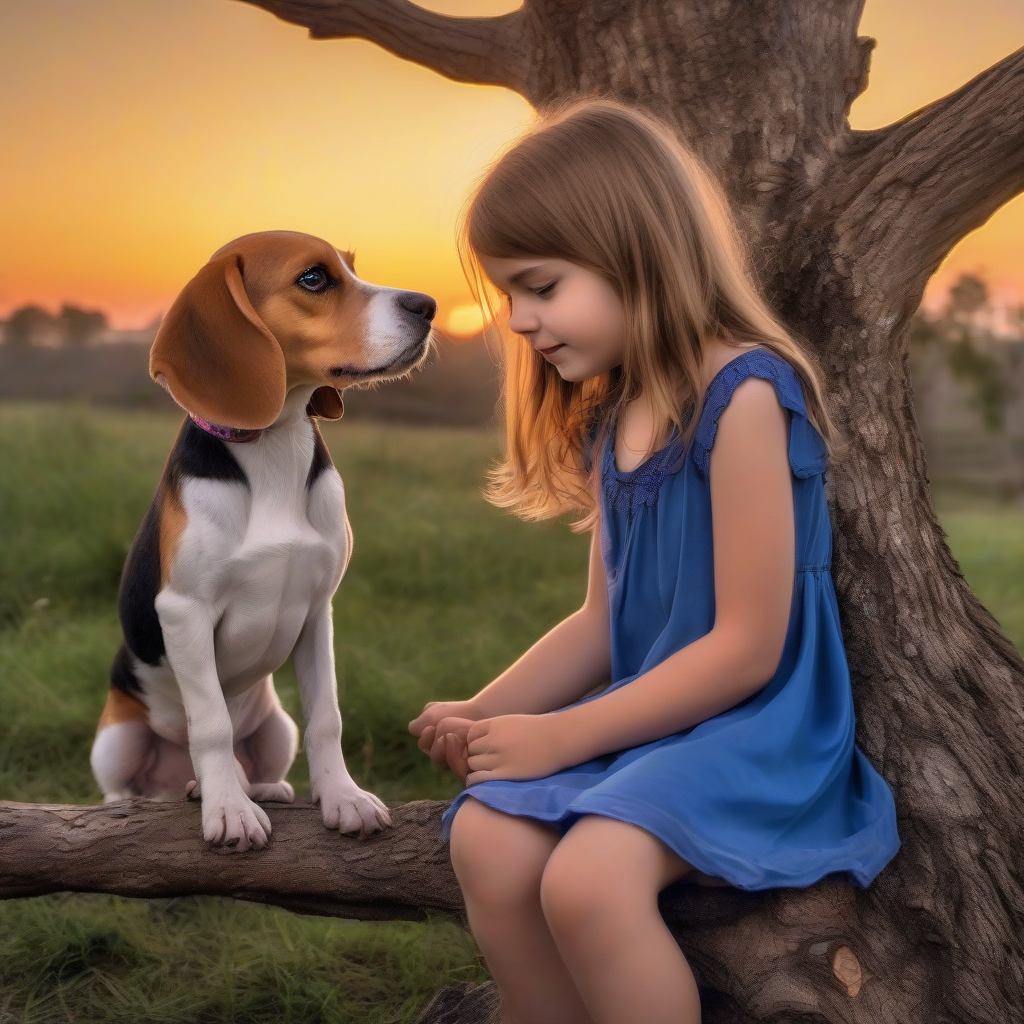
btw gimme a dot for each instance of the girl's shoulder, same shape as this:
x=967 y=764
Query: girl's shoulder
x=726 y=365
x=718 y=355
x=726 y=371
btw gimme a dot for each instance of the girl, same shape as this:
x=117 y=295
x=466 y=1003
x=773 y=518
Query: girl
x=648 y=385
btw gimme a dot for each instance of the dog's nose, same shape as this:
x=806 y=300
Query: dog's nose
x=418 y=304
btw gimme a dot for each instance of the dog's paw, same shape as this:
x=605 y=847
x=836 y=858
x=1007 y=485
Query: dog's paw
x=234 y=820
x=348 y=808
x=272 y=792
x=118 y=795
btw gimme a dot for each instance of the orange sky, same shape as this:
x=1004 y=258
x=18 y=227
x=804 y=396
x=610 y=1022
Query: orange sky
x=140 y=135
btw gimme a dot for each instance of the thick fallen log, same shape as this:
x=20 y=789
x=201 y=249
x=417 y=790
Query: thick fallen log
x=146 y=849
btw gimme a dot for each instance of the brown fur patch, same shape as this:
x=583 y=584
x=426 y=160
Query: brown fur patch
x=122 y=707
x=173 y=521
x=330 y=331
x=216 y=357
x=241 y=332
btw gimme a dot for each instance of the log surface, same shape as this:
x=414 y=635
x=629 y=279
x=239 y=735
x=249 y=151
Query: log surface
x=146 y=849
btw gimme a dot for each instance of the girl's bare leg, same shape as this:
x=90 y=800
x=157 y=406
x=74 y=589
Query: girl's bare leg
x=599 y=893
x=499 y=860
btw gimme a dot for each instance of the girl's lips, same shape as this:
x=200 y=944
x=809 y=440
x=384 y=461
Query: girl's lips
x=545 y=352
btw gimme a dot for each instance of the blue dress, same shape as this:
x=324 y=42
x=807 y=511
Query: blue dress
x=774 y=791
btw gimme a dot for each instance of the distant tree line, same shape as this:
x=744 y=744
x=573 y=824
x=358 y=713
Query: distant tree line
x=961 y=334
x=72 y=326
x=978 y=355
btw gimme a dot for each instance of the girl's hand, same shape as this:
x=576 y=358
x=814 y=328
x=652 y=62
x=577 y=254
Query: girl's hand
x=516 y=747
x=432 y=713
x=427 y=726
x=449 y=746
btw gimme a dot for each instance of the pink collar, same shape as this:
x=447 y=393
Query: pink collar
x=239 y=435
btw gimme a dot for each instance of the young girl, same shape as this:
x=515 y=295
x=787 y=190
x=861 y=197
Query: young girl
x=648 y=385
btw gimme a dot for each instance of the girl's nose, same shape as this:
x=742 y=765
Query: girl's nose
x=521 y=321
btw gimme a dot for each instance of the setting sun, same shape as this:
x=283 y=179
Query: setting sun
x=465 y=321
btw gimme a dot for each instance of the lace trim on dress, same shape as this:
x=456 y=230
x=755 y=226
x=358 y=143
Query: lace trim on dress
x=628 y=491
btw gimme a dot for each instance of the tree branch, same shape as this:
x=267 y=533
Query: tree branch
x=141 y=848
x=920 y=185
x=486 y=51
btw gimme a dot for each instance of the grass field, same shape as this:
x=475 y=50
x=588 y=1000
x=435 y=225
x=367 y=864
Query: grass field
x=442 y=593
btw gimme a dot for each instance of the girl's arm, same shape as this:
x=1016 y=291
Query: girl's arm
x=754 y=559
x=564 y=664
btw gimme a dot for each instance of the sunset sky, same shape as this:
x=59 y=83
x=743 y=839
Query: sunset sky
x=140 y=135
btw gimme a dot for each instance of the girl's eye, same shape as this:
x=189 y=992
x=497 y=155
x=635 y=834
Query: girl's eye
x=316 y=279
x=546 y=290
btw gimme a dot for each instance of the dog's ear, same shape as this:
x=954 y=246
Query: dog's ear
x=215 y=355
x=326 y=403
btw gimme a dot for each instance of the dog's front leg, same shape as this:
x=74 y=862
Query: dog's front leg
x=230 y=818
x=344 y=805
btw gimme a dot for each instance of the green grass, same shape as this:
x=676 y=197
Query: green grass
x=987 y=538
x=442 y=593
x=88 y=958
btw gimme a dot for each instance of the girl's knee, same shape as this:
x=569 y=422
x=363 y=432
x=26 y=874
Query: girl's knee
x=575 y=891
x=497 y=857
x=472 y=831
x=600 y=872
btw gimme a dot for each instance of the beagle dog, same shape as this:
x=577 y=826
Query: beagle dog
x=246 y=540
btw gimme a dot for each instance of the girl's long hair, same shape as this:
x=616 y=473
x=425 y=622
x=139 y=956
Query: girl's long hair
x=612 y=189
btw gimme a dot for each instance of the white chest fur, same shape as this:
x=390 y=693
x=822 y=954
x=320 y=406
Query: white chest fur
x=258 y=559
x=282 y=561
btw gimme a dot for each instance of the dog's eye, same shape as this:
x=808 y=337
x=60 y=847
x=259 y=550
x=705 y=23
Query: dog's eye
x=316 y=279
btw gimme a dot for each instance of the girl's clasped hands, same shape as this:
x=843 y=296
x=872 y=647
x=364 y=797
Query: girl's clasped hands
x=479 y=749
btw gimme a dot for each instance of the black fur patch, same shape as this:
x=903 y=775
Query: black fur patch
x=321 y=457
x=140 y=583
x=199 y=454
x=122 y=675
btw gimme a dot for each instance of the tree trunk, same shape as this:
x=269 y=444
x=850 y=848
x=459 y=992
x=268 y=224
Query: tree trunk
x=845 y=229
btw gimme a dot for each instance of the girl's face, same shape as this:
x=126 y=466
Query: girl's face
x=569 y=314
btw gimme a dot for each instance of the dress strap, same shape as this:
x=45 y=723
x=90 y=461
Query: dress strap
x=808 y=454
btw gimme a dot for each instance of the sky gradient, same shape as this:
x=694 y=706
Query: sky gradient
x=140 y=135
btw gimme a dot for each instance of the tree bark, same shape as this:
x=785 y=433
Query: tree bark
x=845 y=229
x=148 y=849
x=486 y=51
